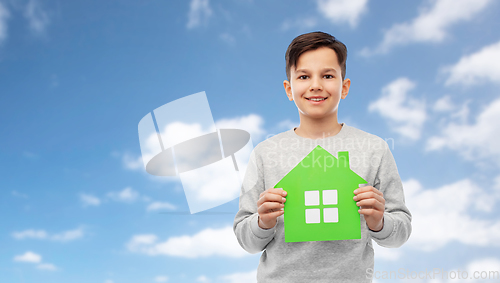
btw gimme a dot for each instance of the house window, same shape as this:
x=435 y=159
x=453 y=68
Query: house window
x=329 y=198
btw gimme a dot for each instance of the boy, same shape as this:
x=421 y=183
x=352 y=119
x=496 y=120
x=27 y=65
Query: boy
x=316 y=67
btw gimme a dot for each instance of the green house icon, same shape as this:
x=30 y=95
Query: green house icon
x=319 y=205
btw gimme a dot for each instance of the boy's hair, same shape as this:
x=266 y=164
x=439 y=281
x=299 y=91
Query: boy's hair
x=311 y=41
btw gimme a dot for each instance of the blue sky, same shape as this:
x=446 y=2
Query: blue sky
x=76 y=77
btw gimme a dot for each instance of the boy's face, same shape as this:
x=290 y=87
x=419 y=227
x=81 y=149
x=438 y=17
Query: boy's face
x=316 y=84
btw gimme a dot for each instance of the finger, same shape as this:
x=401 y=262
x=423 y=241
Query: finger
x=270 y=197
x=362 y=189
x=369 y=195
x=371 y=203
x=367 y=189
x=277 y=191
x=370 y=212
x=274 y=191
x=272 y=206
x=269 y=206
x=271 y=215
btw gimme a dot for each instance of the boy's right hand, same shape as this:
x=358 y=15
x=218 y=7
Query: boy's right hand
x=270 y=207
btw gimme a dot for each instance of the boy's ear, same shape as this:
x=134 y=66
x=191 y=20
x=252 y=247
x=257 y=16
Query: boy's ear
x=346 y=84
x=288 y=89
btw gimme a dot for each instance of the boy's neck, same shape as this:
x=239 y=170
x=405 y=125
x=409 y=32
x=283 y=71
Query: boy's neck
x=318 y=128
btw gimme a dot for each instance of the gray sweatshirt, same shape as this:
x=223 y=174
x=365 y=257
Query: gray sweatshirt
x=320 y=261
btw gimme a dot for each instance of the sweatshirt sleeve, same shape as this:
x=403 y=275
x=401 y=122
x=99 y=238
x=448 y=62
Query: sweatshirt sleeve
x=251 y=237
x=397 y=217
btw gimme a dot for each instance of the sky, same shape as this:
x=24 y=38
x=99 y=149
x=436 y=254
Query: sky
x=76 y=77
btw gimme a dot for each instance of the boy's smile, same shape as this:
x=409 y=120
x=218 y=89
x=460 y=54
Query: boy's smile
x=316 y=85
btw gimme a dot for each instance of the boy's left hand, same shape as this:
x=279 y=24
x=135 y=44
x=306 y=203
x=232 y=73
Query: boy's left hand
x=372 y=205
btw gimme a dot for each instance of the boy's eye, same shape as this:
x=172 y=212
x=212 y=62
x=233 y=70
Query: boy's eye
x=303 y=77
x=328 y=76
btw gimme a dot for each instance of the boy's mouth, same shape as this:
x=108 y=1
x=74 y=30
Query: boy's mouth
x=316 y=98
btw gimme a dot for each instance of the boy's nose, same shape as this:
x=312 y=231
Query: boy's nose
x=315 y=85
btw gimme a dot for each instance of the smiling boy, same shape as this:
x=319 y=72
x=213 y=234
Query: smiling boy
x=316 y=68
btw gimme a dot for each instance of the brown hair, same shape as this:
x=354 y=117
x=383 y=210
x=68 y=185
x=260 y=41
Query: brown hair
x=311 y=41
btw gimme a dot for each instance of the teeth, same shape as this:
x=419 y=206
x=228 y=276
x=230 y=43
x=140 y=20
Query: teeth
x=316 y=99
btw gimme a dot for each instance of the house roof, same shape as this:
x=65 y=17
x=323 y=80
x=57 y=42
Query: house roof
x=320 y=166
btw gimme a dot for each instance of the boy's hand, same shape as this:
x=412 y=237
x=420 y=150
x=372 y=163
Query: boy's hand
x=269 y=207
x=372 y=205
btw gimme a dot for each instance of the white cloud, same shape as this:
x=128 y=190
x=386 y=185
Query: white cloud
x=203 y=278
x=251 y=123
x=150 y=147
x=133 y=163
x=47 y=266
x=160 y=206
x=31 y=257
x=496 y=186
x=476 y=141
x=33 y=234
x=4 y=16
x=444 y=104
x=161 y=278
x=431 y=25
x=36 y=16
x=140 y=240
x=178 y=132
x=445 y=215
x=287 y=124
x=199 y=13
x=463 y=113
x=28 y=257
x=208 y=242
x=65 y=236
x=476 y=68
x=405 y=114
x=126 y=195
x=452 y=112
x=89 y=200
x=343 y=11
x=214 y=184
x=240 y=277
x=280 y=127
